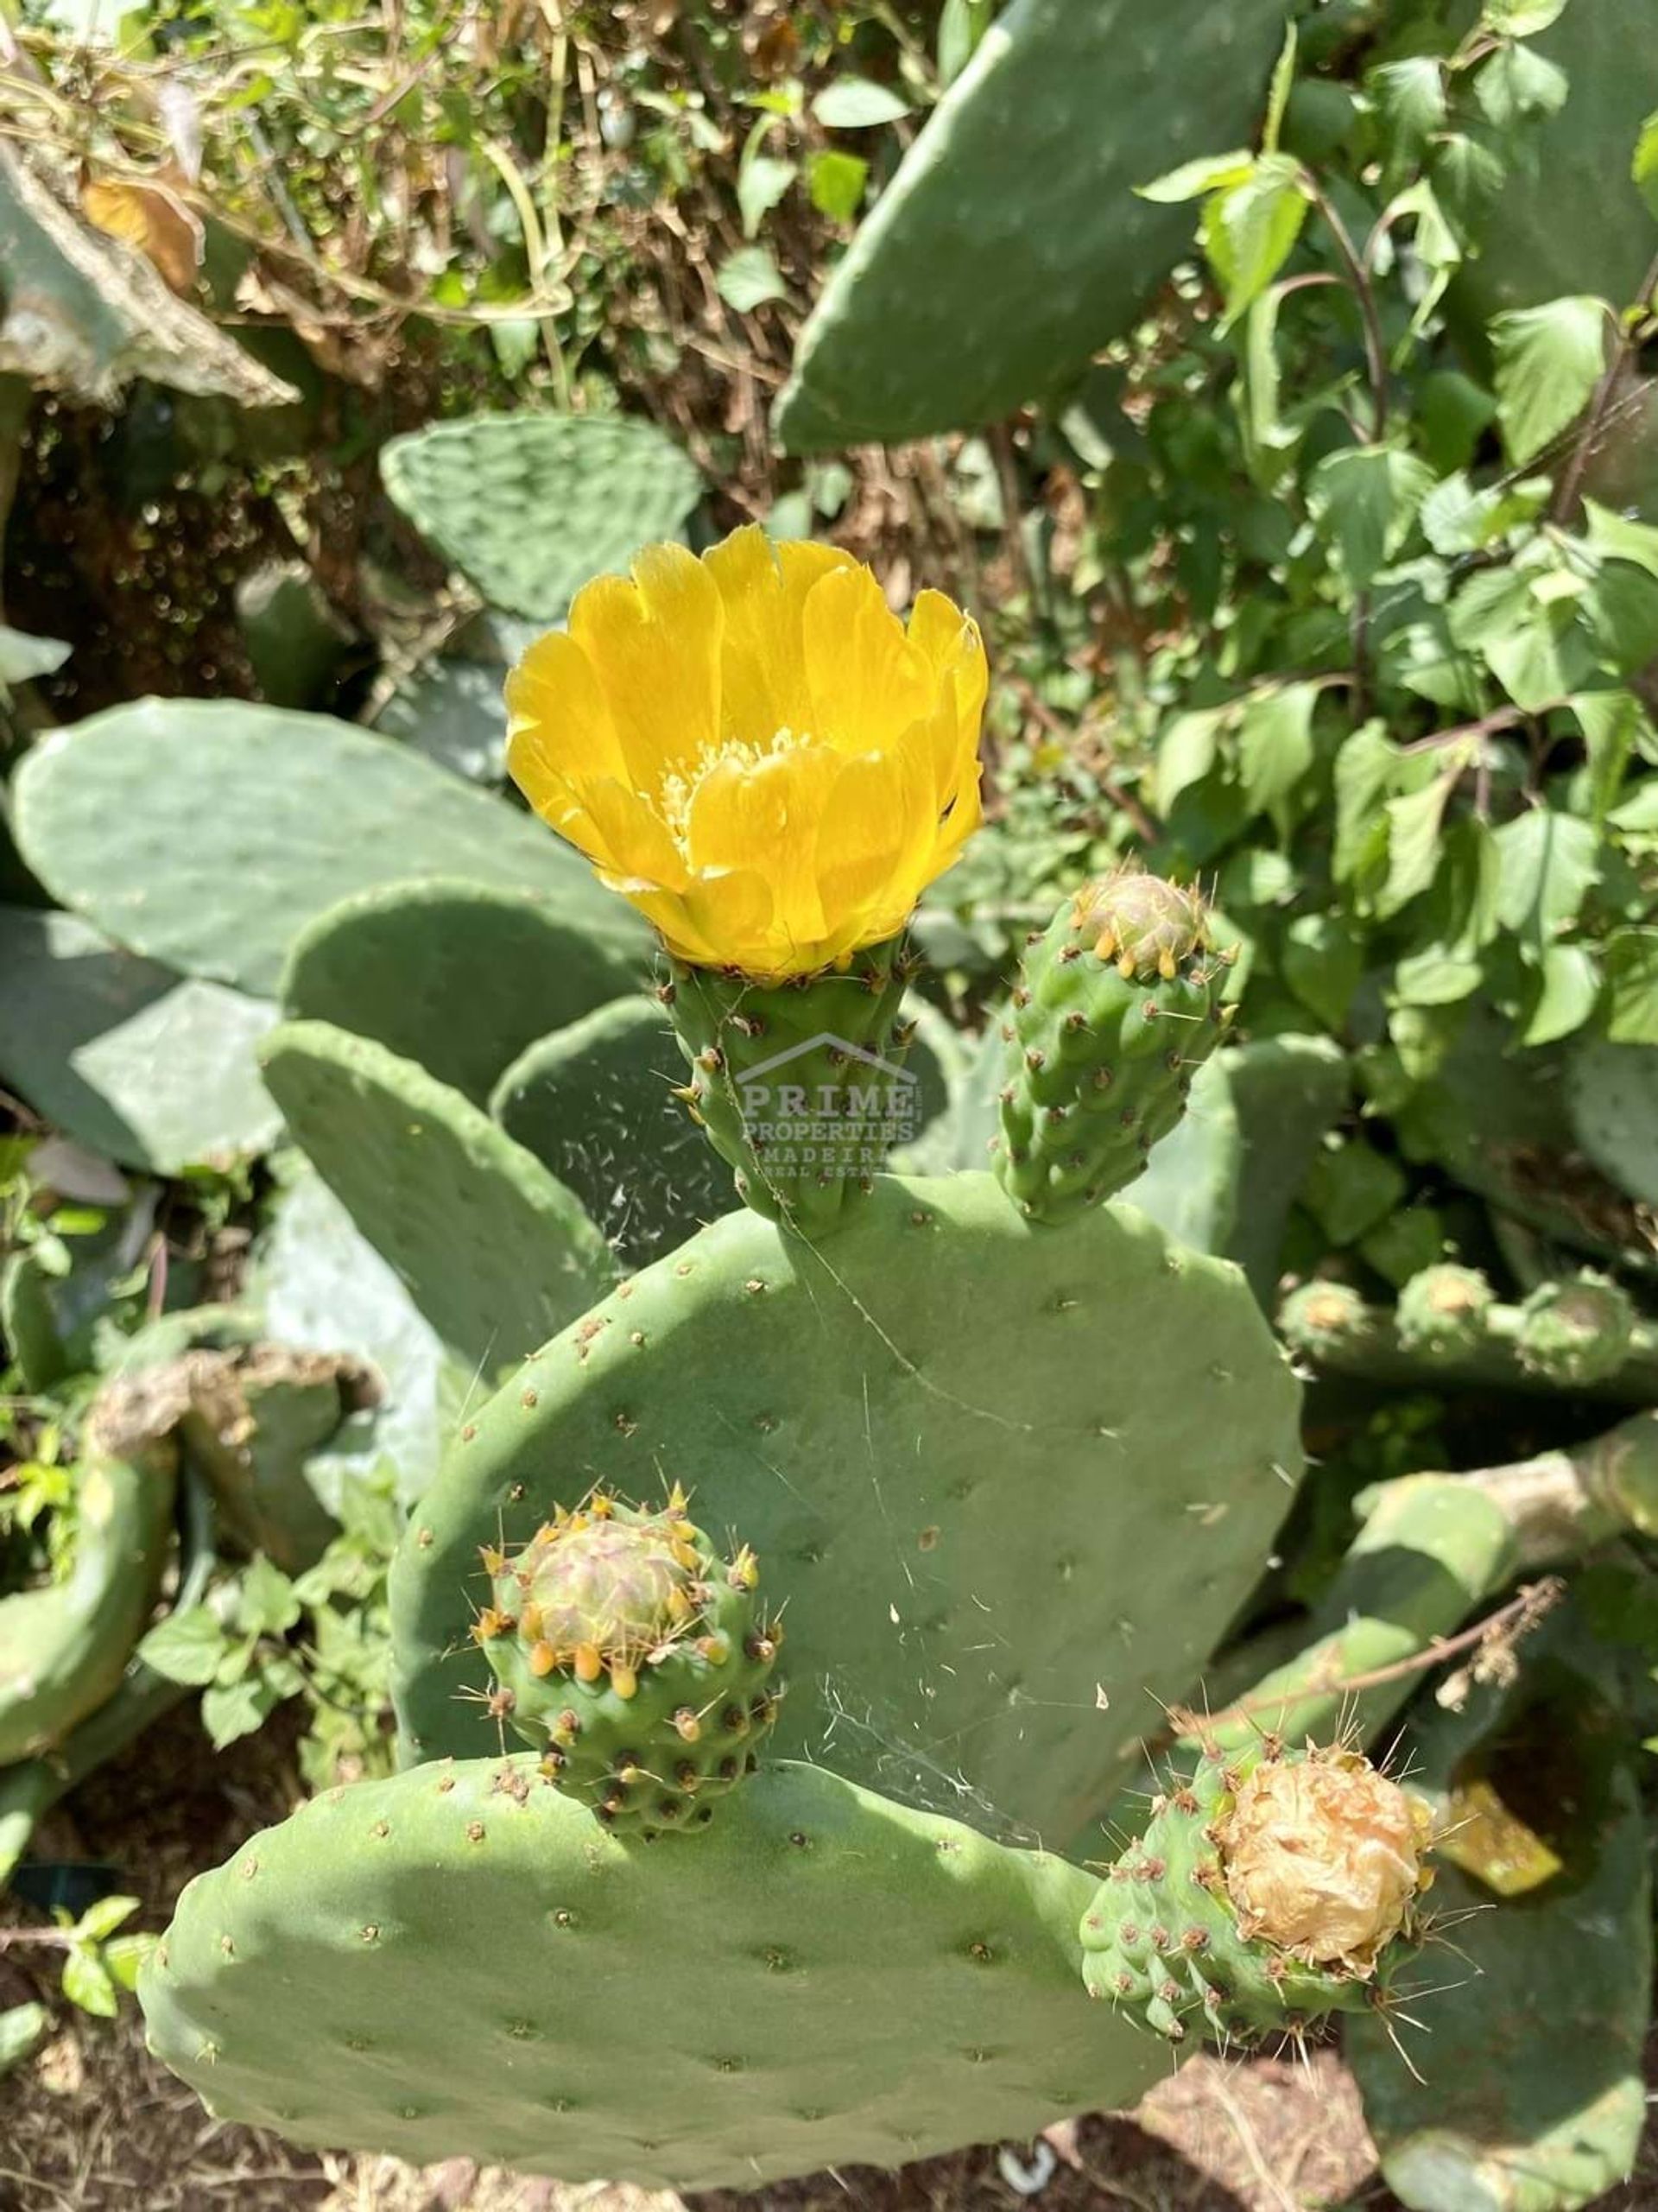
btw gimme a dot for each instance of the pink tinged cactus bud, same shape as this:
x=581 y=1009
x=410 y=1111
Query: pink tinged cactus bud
x=1323 y=1858
x=1146 y=925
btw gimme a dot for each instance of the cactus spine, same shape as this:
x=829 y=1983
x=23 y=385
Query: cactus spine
x=1117 y=1006
x=634 y=1657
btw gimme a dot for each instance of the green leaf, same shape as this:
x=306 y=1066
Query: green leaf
x=1453 y=414
x=1643 y=170
x=835 y=181
x=1621 y=604
x=1351 y=1188
x=1614 y=537
x=858 y=103
x=103 y=1918
x=747 y=278
x=230 y=1710
x=1520 y=18
x=1613 y=724
x=1410 y=98
x=1322 y=959
x=962 y=24
x=1517 y=86
x=1568 y=986
x=1365 y=767
x=1435 y=975
x=515 y=339
x=1185 y=753
x=1549 y=360
x=124 y=1959
x=23 y=657
x=1437 y=251
x=1250 y=228
x=186 y=1647
x=1283 y=76
x=86 y=1984
x=267 y=1605
x=1457 y=518
x=1192 y=179
x=22 y=2031
x=1274 y=743
x=1364 y=500
x=1413 y=824
x=1631 y=962
x=760 y=183
x=1549 y=861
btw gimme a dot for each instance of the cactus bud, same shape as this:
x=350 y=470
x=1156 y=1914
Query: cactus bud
x=1577 y=1331
x=1441 y=1311
x=1117 y=1006
x=1321 y=1317
x=629 y=1632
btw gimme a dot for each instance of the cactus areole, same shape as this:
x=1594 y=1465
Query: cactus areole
x=636 y=1660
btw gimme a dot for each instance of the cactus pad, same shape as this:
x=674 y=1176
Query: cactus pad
x=1441 y=1311
x=153 y=1069
x=494 y=1252
x=1011 y=246
x=64 y=1644
x=292 y=813
x=1611 y=1093
x=1577 y=1331
x=634 y=1658
x=295 y=1988
x=1117 y=1004
x=454 y=975
x=595 y=1102
x=793 y=1082
x=990 y=1469
x=529 y=507
x=1266 y=1891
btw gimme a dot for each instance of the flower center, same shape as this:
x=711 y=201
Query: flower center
x=682 y=777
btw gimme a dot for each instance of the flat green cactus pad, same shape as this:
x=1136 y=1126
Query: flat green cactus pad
x=494 y=1252
x=463 y=1962
x=990 y=1470
x=595 y=1103
x=1611 y=1093
x=454 y=975
x=528 y=507
x=288 y=814
x=153 y=1069
x=1011 y=245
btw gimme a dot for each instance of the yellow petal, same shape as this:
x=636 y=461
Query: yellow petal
x=656 y=644
x=668 y=913
x=765 y=815
x=949 y=642
x=733 y=910
x=763 y=662
x=868 y=683
x=638 y=845
x=558 y=718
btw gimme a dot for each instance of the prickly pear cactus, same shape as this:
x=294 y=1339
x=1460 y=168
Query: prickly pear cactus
x=1011 y=244
x=795 y=1083
x=1577 y=1331
x=824 y=1978
x=529 y=507
x=636 y=1659
x=1611 y=1093
x=64 y=1639
x=1268 y=1890
x=1442 y=1310
x=1117 y=1005
x=1320 y=1318
x=972 y=1521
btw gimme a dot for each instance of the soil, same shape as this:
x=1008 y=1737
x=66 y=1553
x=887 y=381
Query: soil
x=96 y=2125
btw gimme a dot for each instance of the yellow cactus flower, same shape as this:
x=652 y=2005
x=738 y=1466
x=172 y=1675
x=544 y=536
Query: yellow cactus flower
x=753 y=750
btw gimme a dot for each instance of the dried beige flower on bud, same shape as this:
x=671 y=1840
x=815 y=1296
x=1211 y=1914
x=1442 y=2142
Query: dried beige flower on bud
x=1322 y=1857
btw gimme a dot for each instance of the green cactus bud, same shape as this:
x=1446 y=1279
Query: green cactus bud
x=1577 y=1331
x=1441 y=1311
x=637 y=1660
x=1117 y=1007
x=1268 y=1890
x=1320 y=1317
